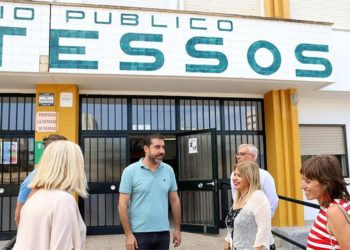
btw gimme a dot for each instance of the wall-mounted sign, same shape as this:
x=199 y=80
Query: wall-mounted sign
x=38 y=151
x=46 y=122
x=8 y=152
x=192 y=146
x=46 y=99
x=162 y=43
x=66 y=99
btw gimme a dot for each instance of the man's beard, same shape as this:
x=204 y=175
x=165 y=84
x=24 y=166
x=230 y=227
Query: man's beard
x=156 y=159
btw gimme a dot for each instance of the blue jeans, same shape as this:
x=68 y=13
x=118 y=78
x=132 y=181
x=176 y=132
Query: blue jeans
x=153 y=240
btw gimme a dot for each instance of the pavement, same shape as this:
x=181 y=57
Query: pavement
x=190 y=241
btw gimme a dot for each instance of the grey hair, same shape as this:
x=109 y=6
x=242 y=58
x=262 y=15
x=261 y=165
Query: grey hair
x=252 y=149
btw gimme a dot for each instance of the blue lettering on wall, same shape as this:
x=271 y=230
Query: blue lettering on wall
x=17 y=10
x=157 y=25
x=275 y=53
x=104 y=22
x=125 y=41
x=129 y=19
x=192 y=21
x=312 y=60
x=204 y=68
x=222 y=27
x=9 y=31
x=56 y=49
x=74 y=14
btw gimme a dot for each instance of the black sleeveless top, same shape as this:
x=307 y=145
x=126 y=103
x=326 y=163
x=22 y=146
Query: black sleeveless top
x=230 y=218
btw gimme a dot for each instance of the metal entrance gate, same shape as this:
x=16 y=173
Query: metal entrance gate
x=197 y=182
x=16 y=154
x=107 y=118
x=105 y=159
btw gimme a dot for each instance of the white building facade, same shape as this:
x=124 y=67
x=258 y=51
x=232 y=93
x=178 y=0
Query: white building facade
x=223 y=72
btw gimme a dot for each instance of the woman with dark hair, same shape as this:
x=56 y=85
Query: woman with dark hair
x=322 y=180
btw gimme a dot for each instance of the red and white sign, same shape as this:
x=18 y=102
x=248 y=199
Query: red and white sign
x=46 y=122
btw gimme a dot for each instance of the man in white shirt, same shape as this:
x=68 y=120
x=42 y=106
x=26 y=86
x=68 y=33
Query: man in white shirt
x=249 y=152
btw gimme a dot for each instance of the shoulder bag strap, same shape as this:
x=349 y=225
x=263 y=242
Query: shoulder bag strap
x=347 y=216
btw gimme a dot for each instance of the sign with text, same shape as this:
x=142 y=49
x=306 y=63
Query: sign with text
x=8 y=152
x=66 y=99
x=38 y=151
x=192 y=146
x=46 y=99
x=110 y=40
x=46 y=122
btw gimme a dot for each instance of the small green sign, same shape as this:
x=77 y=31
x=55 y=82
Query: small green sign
x=38 y=151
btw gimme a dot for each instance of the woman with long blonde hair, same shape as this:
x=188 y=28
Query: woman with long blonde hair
x=249 y=219
x=50 y=218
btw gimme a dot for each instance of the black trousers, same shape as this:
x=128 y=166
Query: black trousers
x=153 y=240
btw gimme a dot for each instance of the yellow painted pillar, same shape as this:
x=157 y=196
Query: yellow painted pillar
x=277 y=8
x=66 y=107
x=283 y=154
x=67 y=114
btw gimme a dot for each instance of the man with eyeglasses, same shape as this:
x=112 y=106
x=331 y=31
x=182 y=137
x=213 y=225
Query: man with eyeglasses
x=249 y=152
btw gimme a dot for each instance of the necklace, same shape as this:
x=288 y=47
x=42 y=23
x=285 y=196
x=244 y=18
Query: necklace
x=241 y=198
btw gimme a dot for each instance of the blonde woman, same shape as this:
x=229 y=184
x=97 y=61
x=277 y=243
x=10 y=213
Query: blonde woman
x=50 y=218
x=249 y=219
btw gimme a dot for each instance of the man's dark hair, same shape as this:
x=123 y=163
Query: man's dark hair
x=147 y=141
x=52 y=138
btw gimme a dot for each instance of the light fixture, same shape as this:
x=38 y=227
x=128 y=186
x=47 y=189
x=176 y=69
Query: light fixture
x=295 y=99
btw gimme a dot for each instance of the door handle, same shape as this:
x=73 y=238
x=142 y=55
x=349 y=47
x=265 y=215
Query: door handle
x=200 y=185
x=2 y=190
x=112 y=187
x=211 y=183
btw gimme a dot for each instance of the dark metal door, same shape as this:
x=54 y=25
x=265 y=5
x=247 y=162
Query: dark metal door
x=16 y=161
x=105 y=159
x=197 y=181
x=16 y=154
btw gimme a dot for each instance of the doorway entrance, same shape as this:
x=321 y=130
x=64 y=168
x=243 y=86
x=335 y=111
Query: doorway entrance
x=111 y=133
x=193 y=158
x=137 y=152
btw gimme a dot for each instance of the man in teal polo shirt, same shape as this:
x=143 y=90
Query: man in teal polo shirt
x=146 y=189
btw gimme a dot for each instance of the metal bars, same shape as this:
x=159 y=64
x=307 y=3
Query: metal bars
x=16 y=152
x=236 y=120
x=153 y=114
x=199 y=114
x=17 y=112
x=105 y=159
x=103 y=113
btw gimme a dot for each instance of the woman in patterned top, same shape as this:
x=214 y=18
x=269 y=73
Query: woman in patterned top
x=249 y=219
x=322 y=180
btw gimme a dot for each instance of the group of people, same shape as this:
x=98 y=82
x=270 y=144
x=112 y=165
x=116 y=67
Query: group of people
x=255 y=201
x=50 y=218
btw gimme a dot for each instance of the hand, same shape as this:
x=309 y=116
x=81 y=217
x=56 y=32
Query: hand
x=227 y=246
x=177 y=238
x=130 y=242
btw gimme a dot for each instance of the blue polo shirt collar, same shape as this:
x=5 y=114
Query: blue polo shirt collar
x=142 y=165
